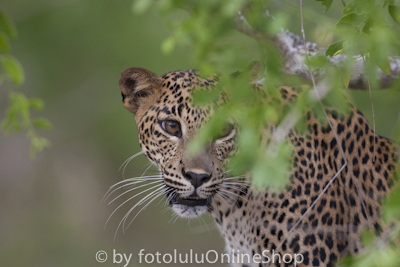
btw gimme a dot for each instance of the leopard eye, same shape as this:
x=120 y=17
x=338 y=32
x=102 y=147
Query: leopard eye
x=226 y=131
x=171 y=127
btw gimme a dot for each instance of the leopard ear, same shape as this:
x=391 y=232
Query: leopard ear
x=137 y=85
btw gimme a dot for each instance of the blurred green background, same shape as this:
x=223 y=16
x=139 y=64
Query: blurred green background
x=72 y=53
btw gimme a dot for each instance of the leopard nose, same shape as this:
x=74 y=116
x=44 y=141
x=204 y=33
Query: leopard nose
x=196 y=178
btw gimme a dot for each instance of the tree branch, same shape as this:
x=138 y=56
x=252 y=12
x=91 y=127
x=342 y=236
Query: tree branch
x=292 y=49
x=293 y=52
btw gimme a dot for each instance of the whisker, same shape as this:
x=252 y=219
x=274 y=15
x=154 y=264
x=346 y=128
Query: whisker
x=173 y=217
x=160 y=193
x=236 y=187
x=205 y=224
x=235 y=177
x=126 y=162
x=177 y=217
x=171 y=196
x=165 y=209
x=134 y=182
x=165 y=192
x=147 y=168
x=134 y=179
x=228 y=198
x=235 y=180
x=143 y=177
x=127 y=191
x=238 y=183
x=223 y=197
x=109 y=217
x=139 y=172
x=240 y=188
x=131 y=209
x=229 y=192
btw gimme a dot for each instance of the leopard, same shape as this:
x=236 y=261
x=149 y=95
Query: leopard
x=340 y=173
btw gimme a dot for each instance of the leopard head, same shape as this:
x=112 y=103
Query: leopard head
x=167 y=121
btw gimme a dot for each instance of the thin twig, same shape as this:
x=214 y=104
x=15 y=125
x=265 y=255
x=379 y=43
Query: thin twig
x=331 y=126
x=372 y=107
x=373 y=119
x=337 y=140
x=311 y=206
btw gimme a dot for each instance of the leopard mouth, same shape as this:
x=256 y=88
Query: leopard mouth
x=190 y=202
x=191 y=206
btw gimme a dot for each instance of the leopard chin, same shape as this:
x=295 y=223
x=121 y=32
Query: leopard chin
x=189 y=211
x=189 y=207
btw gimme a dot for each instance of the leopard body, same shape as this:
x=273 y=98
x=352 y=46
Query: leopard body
x=332 y=196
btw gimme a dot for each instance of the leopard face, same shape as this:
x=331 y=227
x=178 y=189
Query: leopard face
x=167 y=121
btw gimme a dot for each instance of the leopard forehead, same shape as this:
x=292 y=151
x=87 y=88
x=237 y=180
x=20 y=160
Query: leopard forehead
x=174 y=99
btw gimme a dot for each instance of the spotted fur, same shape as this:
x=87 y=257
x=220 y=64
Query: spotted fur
x=254 y=221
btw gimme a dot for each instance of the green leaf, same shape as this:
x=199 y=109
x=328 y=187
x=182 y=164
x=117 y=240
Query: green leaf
x=351 y=19
x=205 y=97
x=346 y=79
x=17 y=115
x=348 y=71
x=334 y=48
x=387 y=2
x=247 y=153
x=11 y=123
x=37 y=145
x=41 y=123
x=4 y=45
x=337 y=99
x=384 y=65
x=338 y=52
x=168 y=45
x=367 y=237
x=360 y=7
x=6 y=24
x=326 y=3
x=36 y=103
x=23 y=108
x=392 y=204
x=13 y=69
x=394 y=12
x=353 y=6
x=368 y=25
x=141 y=6
x=272 y=170
x=347 y=261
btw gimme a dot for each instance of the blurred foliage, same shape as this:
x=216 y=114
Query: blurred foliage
x=365 y=29
x=211 y=27
x=72 y=53
x=18 y=116
x=379 y=250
